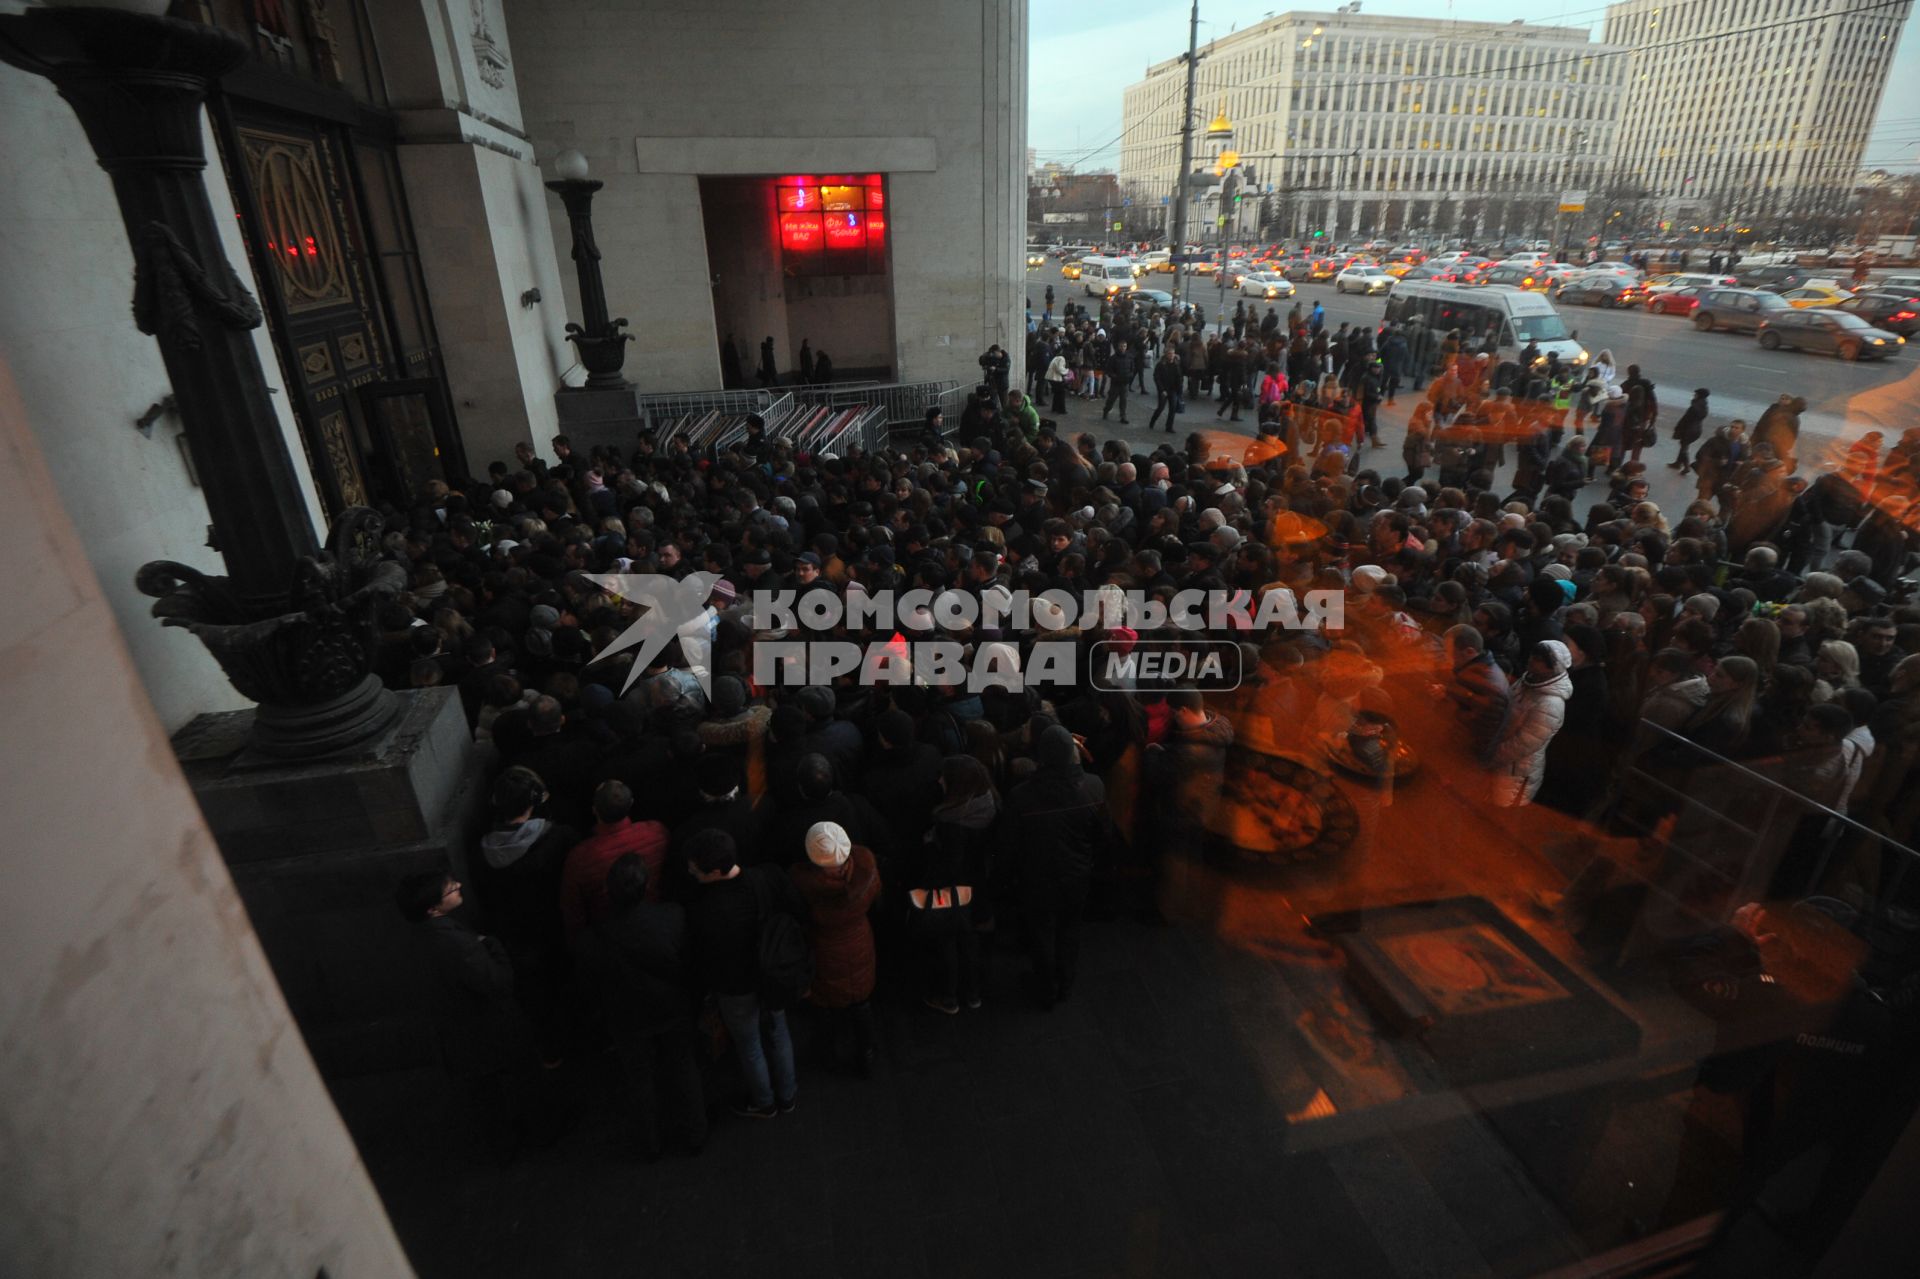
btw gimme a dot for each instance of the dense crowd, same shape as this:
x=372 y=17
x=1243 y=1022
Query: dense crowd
x=679 y=859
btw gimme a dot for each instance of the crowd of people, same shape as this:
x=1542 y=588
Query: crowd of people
x=680 y=860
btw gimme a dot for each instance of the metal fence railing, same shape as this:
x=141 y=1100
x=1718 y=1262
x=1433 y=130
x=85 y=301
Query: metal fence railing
x=1714 y=834
x=900 y=403
x=818 y=419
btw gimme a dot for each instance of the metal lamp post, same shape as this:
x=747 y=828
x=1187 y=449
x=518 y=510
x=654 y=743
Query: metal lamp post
x=291 y=625
x=601 y=344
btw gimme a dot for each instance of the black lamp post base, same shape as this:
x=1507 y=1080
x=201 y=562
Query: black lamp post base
x=354 y=719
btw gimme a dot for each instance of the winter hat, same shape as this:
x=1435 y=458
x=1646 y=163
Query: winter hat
x=828 y=845
x=502 y=498
x=817 y=702
x=1562 y=656
x=729 y=696
x=543 y=617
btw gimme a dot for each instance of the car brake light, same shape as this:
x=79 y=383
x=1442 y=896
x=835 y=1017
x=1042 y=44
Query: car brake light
x=1903 y=315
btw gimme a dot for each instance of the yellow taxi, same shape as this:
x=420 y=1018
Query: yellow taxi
x=1400 y=268
x=1324 y=269
x=1208 y=267
x=1809 y=295
x=1070 y=270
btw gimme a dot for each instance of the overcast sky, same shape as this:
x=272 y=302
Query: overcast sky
x=1085 y=52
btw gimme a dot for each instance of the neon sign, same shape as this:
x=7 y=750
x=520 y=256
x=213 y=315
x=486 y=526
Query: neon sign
x=825 y=220
x=800 y=232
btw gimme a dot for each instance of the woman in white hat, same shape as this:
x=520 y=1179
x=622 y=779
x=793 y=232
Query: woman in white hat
x=840 y=881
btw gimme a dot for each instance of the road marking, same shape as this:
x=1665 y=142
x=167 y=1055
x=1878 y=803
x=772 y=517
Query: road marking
x=1758 y=368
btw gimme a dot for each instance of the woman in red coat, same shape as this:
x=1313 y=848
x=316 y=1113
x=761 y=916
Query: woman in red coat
x=840 y=882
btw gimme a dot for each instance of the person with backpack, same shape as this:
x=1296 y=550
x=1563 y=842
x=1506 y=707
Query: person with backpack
x=748 y=943
x=839 y=881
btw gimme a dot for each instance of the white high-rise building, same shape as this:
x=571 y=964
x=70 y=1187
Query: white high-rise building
x=1748 y=110
x=1389 y=125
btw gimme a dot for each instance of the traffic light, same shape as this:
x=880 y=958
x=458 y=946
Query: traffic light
x=1318 y=234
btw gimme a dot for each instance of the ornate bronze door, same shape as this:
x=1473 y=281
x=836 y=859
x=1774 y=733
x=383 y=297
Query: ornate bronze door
x=331 y=324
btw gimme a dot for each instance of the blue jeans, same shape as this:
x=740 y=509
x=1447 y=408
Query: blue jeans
x=746 y=1023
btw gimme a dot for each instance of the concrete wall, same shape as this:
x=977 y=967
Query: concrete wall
x=480 y=216
x=160 y=1113
x=85 y=373
x=658 y=92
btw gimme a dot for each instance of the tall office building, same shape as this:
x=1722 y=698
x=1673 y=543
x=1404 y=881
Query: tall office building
x=1390 y=125
x=1754 y=111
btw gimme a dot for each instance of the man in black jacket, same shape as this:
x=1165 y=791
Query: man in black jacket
x=1166 y=381
x=635 y=964
x=1060 y=823
x=1119 y=371
x=903 y=782
x=725 y=918
x=485 y=1042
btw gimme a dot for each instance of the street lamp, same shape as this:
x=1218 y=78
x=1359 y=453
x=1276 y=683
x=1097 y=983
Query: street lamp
x=601 y=344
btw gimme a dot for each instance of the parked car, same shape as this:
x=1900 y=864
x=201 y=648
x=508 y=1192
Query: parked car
x=1741 y=310
x=1362 y=279
x=1598 y=288
x=1267 y=284
x=1810 y=296
x=1675 y=301
x=1824 y=329
x=1895 y=310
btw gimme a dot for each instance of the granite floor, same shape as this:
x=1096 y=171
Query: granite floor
x=1139 y=1129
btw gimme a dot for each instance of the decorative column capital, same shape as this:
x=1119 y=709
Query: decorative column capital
x=136 y=82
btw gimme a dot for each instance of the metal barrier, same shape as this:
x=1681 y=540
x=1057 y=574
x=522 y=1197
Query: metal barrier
x=899 y=402
x=670 y=405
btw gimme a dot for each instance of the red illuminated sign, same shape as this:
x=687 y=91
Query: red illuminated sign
x=846 y=230
x=829 y=222
x=800 y=232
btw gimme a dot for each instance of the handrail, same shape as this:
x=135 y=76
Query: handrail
x=1769 y=782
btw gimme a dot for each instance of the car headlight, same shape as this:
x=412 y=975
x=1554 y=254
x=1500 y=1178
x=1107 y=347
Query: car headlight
x=1581 y=358
x=1879 y=341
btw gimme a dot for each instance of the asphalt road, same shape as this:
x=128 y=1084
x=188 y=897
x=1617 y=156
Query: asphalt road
x=1844 y=400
